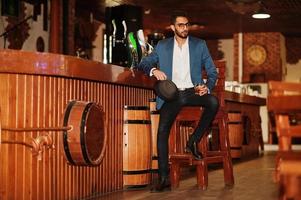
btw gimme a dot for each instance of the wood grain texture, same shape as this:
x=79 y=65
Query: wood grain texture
x=136 y=146
x=236 y=137
x=39 y=101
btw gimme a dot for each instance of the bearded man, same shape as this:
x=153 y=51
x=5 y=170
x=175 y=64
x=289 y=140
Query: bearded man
x=181 y=59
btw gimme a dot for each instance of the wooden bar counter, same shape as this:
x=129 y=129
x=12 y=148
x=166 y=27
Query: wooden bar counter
x=249 y=107
x=35 y=89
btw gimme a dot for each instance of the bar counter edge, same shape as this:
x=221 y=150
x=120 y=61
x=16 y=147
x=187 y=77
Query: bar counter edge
x=25 y=62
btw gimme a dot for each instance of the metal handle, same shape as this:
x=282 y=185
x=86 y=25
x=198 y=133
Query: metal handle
x=36 y=144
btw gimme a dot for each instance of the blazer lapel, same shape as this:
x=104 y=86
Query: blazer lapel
x=192 y=56
x=169 y=57
x=191 y=52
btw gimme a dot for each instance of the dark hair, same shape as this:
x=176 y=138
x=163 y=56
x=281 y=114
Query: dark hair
x=177 y=13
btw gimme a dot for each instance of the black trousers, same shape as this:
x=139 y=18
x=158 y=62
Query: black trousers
x=168 y=113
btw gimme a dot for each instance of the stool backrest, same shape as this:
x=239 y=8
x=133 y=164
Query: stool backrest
x=284 y=105
x=284 y=97
x=220 y=83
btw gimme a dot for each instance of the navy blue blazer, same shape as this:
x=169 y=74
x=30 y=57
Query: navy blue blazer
x=199 y=57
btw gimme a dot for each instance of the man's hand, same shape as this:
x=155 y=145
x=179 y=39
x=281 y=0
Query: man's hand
x=159 y=74
x=201 y=90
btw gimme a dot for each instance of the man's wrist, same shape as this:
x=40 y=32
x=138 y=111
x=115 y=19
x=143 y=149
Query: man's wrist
x=208 y=90
x=152 y=71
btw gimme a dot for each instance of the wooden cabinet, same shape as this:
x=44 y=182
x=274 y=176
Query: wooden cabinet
x=249 y=107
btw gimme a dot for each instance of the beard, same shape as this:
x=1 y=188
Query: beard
x=182 y=34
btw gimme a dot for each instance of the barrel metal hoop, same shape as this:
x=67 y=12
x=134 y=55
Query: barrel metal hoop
x=154 y=171
x=155 y=157
x=126 y=107
x=135 y=172
x=234 y=111
x=137 y=121
x=65 y=132
x=238 y=148
x=234 y=122
x=82 y=132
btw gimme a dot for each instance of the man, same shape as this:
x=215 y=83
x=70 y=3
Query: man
x=181 y=59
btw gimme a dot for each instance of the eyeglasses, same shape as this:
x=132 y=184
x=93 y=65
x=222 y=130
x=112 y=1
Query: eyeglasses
x=182 y=25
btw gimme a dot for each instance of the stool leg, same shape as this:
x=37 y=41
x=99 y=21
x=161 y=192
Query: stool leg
x=174 y=174
x=228 y=171
x=202 y=175
x=227 y=160
x=292 y=187
x=261 y=143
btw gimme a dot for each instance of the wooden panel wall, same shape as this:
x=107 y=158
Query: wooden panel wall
x=39 y=101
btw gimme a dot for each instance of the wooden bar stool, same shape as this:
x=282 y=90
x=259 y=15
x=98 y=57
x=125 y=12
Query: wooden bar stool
x=283 y=101
x=185 y=123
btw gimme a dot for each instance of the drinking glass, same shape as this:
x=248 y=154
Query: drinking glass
x=197 y=87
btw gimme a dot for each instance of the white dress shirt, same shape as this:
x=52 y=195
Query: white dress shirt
x=181 y=65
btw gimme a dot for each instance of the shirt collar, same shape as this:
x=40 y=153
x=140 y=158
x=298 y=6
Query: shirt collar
x=185 y=44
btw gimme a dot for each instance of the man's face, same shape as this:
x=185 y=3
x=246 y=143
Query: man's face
x=180 y=28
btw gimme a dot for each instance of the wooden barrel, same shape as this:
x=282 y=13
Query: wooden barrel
x=85 y=143
x=136 y=146
x=154 y=116
x=235 y=126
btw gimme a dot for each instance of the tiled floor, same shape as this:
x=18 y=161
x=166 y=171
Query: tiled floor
x=253 y=181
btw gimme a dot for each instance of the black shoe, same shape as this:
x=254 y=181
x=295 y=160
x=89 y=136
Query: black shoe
x=163 y=185
x=191 y=147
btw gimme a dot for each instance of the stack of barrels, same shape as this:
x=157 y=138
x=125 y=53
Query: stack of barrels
x=140 y=144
